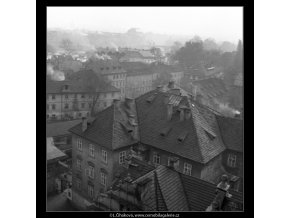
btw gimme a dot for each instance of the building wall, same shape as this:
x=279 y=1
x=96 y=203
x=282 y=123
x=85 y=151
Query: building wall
x=212 y=170
x=79 y=105
x=238 y=169
x=177 y=76
x=118 y=80
x=110 y=167
x=164 y=155
x=139 y=84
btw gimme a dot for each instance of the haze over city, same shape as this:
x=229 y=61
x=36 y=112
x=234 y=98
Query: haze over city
x=220 y=23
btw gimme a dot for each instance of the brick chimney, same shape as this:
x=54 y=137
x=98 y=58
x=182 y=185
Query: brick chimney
x=171 y=84
x=129 y=102
x=169 y=111
x=173 y=163
x=159 y=88
x=116 y=103
x=187 y=113
x=84 y=124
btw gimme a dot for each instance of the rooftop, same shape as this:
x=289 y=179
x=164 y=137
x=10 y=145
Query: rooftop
x=60 y=128
x=52 y=152
x=179 y=192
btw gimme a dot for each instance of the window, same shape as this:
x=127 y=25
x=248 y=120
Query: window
x=79 y=164
x=91 y=191
x=122 y=156
x=176 y=164
x=53 y=97
x=232 y=160
x=156 y=158
x=66 y=96
x=104 y=156
x=47 y=116
x=91 y=150
x=83 y=105
x=187 y=169
x=105 y=104
x=103 y=179
x=91 y=172
x=53 y=107
x=80 y=114
x=79 y=144
x=82 y=96
x=90 y=105
x=78 y=184
x=66 y=106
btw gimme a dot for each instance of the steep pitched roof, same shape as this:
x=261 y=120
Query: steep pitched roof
x=232 y=132
x=173 y=191
x=198 y=145
x=112 y=128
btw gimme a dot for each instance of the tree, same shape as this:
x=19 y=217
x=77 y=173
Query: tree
x=191 y=54
x=50 y=48
x=238 y=62
x=67 y=45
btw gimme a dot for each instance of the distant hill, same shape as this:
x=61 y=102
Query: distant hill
x=88 y=40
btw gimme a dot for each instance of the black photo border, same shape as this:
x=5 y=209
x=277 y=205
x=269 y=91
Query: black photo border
x=248 y=43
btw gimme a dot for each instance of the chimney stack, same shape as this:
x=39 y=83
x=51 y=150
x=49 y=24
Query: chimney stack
x=169 y=111
x=159 y=88
x=116 y=103
x=129 y=102
x=171 y=84
x=173 y=163
x=84 y=124
x=187 y=113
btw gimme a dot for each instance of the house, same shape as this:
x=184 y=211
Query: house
x=232 y=135
x=100 y=148
x=112 y=71
x=69 y=100
x=143 y=56
x=159 y=125
x=165 y=189
x=61 y=136
x=54 y=168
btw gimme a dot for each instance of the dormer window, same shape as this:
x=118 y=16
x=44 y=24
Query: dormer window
x=182 y=136
x=165 y=131
x=211 y=136
x=232 y=160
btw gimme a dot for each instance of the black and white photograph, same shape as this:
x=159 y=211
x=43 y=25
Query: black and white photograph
x=145 y=109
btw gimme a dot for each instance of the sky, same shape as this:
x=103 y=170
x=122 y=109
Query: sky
x=220 y=23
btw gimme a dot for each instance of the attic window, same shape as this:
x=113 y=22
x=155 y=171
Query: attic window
x=182 y=136
x=211 y=136
x=165 y=131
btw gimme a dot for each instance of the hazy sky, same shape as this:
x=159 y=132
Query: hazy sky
x=220 y=23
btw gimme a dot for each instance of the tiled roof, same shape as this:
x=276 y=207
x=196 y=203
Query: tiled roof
x=200 y=193
x=110 y=128
x=211 y=87
x=232 y=132
x=197 y=145
x=173 y=191
x=55 y=87
x=60 y=128
x=52 y=152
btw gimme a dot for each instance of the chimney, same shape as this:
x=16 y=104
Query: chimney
x=159 y=88
x=173 y=163
x=116 y=103
x=171 y=84
x=129 y=102
x=181 y=114
x=169 y=111
x=84 y=124
x=187 y=113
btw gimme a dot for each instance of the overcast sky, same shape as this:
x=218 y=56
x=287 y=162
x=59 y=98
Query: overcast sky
x=220 y=23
